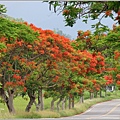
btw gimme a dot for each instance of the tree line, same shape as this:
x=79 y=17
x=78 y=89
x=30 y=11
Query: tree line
x=42 y=64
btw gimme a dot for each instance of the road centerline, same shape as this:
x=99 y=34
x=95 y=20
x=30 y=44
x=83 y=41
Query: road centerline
x=94 y=117
x=111 y=110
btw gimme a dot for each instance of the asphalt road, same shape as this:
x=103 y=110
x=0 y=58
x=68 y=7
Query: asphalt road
x=109 y=110
x=106 y=110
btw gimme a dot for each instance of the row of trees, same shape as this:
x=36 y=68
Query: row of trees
x=33 y=60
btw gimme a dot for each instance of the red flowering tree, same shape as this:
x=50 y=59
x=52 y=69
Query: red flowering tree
x=54 y=55
x=93 y=65
x=116 y=71
x=15 y=59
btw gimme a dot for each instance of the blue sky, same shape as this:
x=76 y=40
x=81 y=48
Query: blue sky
x=38 y=13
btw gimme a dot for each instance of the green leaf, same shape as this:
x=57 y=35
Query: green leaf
x=0 y=85
x=85 y=21
x=2 y=45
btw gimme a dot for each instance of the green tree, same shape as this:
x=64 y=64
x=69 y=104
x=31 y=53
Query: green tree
x=74 y=10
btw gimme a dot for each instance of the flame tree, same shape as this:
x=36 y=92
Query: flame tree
x=15 y=40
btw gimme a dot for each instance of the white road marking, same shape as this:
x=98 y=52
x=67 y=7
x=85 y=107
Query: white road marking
x=106 y=113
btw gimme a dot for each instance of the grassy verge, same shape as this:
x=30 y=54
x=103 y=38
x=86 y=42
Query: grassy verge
x=79 y=108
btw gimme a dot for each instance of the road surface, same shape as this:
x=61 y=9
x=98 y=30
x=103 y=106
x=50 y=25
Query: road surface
x=106 y=110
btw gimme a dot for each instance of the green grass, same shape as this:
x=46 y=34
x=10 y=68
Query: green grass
x=20 y=105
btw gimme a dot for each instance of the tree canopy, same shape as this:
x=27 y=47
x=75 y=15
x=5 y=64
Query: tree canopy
x=74 y=10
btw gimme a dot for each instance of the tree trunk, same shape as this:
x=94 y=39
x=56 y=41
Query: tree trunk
x=66 y=103
x=52 y=103
x=40 y=104
x=81 y=99
x=32 y=100
x=100 y=93
x=63 y=103
x=96 y=94
x=93 y=95
x=8 y=100
x=90 y=95
x=105 y=93
x=37 y=106
x=73 y=102
x=69 y=102
x=10 y=104
x=40 y=99
x=58 y=103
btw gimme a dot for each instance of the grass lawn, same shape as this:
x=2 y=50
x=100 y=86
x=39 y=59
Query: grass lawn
x=21 y=103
